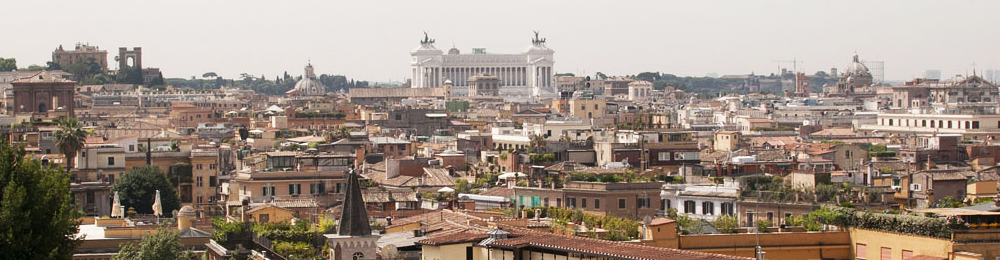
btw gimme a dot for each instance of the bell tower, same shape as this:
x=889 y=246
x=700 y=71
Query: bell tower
x=354 y=239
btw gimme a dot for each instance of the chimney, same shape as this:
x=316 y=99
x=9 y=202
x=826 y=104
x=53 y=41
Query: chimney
x=244 y=209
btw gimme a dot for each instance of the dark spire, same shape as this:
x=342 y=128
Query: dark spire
x=353 y=217
x=149 y=151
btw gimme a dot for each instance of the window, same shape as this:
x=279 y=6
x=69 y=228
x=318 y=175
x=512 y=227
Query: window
x=198 y=181
x=131 y=148
x=770 y=217
x=708 y=208
x=663 y=156
x=597 y=203
x=211 y=181
x=211 y=166
x=975 y=124
x=689 y=206
x=199 y=200
x=907 y=254
x=90 y=197
x=642 y=202
x=546 y=202
x=583 y=107
x=861 y=251
x=596 y=107
x=111 y=161
x=621 y=203
x=727 y=208
x=583 y=202
x=264 y=218
x=294 y=189
x=886 y=253
x=570 y=202
x=198 y=166
x=468 y=253
x=558 y=202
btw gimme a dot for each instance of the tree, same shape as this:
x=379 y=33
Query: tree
x=52 y=66
x=537 y=144
x=209 y=75
x=69 y=139
x=157 y=81
x=648 y=76
x=37 y=217
x=130 y=75
x=8 y=64
x=726 y=224
x=137 y=189
x=463 y=186
x=165 y=244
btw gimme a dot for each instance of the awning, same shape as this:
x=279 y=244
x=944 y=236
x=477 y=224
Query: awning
x=511 y=175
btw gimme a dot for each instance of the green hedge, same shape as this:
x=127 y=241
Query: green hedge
x=619 y=229
x=907 y=224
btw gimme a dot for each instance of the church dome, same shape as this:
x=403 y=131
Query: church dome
x=856 y=68
x=454 y=51
x=308 y=85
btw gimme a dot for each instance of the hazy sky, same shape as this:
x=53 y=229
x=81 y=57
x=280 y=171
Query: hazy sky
x=371 y=40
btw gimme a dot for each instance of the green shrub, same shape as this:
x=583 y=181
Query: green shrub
x=762 y=225
x=726 y=224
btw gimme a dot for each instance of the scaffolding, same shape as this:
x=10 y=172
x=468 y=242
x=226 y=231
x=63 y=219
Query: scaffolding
x=877 y=68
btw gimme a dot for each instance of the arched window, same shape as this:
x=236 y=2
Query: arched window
x=41 y=107
x=358 y=256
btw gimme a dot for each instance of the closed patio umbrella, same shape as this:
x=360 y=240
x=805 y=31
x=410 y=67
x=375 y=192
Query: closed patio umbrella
x=116 y=207
x=157 y=206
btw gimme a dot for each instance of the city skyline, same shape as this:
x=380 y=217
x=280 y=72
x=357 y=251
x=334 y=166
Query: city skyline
x=262 y=38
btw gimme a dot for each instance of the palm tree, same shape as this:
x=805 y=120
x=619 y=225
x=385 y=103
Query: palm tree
x=69 y=139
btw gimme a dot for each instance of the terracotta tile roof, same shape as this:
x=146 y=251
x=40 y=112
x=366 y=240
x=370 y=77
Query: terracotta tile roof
x=660 y=221
x=597 y=247
x=392 y=195
x=834 y=132
x=455 y=238
x=93 y=140
x=434 y=217
x=43 y=77
x=296 y=203
x=498 y=192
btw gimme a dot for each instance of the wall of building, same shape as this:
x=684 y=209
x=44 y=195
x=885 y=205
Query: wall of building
x=874 y=241
x=446 y=252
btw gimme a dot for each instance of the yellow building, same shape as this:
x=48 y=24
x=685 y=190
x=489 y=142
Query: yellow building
x=727 y=140
x=588 y=108
x=270 y=213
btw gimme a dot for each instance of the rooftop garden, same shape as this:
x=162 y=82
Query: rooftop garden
x=616 y=229
x=301 y=240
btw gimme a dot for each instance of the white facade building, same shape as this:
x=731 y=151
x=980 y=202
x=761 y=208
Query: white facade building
x=527 y=74
x=706 y=202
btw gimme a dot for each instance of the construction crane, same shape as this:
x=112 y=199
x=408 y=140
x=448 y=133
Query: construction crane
x=795 y=68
